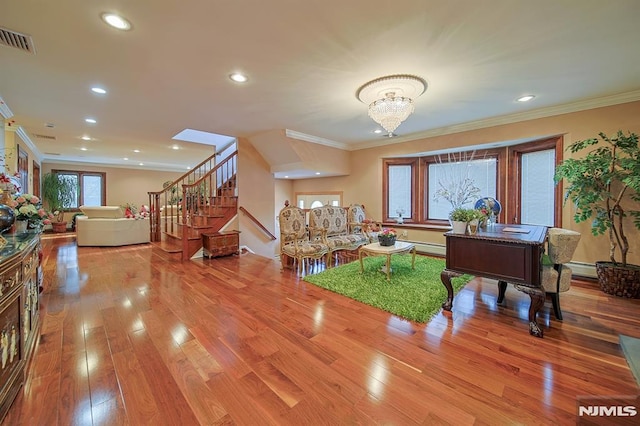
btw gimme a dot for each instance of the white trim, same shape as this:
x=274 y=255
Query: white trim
x=4 y=109
x=28 y=142
x=315 y=139
x=587 y=270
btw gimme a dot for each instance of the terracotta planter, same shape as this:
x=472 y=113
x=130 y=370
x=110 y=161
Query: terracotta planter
x=59 y=226
x=622 y=281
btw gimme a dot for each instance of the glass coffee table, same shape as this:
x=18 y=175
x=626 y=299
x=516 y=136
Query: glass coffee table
x=375 y=249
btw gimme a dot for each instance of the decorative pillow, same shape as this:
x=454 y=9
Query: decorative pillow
x=102 y=212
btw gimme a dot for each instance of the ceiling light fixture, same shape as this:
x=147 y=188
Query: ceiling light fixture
x=238 y=77
x=116 y=21
x=390 y=98
x=86 y=138
x=98 y=90
x=525 y=98
x=90 y=120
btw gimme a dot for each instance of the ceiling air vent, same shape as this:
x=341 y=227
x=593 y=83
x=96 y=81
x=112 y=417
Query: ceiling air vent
x=51 y=138
x=17 y=40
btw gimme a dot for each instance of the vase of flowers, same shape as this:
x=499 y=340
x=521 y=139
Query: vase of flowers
x=29 y=212
x=387 y=237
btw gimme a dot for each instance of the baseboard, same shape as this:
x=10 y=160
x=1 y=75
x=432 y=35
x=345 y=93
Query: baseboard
x=587 y=270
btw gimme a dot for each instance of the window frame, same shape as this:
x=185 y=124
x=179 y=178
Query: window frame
x=505 y=156
x=515 y=178
x=79 y=175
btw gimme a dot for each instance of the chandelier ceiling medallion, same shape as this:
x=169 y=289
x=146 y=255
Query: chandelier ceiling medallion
x=390 y=98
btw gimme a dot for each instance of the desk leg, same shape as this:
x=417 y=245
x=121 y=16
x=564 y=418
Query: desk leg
x=537 y=302
x=445 y=277
x=502 y=289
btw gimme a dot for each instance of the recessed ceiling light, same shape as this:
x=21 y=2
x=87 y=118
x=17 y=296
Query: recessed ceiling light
x=90 y=120
x=126 y=158
x=176 y=147
x=525 y=98
x=188 y=167
x=238 y=77
x=86 y=138
x=98 y=90
x=136 y=150
x=140 y=164
x=286 y=177
x=116 y=21
x=317 y=173
x=377 y=131
x=83 y=149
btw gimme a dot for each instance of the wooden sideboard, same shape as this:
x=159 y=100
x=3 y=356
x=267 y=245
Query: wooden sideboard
x=19 y=312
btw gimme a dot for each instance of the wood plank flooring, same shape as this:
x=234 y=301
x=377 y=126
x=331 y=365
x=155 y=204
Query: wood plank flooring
x=131 y=337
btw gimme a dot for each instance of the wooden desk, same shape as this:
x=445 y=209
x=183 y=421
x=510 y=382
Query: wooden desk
x=509 y=257
x=399 y=247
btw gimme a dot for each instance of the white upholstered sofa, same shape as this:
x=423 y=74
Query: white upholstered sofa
x=107 y=226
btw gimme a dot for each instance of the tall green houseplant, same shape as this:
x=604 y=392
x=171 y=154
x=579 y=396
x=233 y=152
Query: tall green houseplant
x=604 y=185
x=58 y=192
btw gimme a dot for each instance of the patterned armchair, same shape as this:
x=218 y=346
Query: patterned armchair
x=329 y=224
x=294 y=238
x=358 y=223
x=556 y=277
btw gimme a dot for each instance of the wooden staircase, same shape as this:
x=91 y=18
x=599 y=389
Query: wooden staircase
x=201 y=201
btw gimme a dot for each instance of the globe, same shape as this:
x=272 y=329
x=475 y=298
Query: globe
x=490 y=204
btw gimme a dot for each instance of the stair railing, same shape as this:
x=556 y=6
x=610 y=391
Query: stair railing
x=257 y=223
x=183 y=206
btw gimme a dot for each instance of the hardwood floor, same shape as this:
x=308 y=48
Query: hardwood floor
x=130 y=337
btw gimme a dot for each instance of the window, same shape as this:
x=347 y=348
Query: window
x=399 y=181
x=427 y=188
x=90 y=186
x=453 y=184
x=538 y=199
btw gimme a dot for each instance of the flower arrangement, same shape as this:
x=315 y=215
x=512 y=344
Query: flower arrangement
x=10 y=183
x=29 y=207
x=388 y=232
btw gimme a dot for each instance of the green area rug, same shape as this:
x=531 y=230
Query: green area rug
x=415 y=295
x=631 y=349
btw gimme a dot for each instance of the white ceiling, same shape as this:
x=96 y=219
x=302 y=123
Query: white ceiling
x=305 y=61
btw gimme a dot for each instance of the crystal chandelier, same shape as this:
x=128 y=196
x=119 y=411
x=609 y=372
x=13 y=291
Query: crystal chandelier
x=390 y=99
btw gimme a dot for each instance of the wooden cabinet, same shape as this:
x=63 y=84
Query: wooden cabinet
x=19 y=312
x=221 y=243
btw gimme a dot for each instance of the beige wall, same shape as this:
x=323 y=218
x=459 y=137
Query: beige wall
x=364 y=185
x=123 y=185
x=256 y=189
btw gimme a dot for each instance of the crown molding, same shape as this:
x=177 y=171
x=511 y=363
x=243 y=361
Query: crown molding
x=584 y=105
x=5 y=110
x=315 y=139
x=29 y=143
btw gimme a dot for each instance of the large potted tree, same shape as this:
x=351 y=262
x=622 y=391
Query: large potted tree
x=58 y=193
x=604 y=185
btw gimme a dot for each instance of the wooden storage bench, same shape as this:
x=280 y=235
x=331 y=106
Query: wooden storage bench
x=221 y=243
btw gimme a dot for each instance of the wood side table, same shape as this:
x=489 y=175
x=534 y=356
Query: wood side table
x=375 y=249
x=222 y=243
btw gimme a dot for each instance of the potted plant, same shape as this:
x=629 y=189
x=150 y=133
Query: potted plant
x=604 y=185
x=461 y=218
x=59 y=193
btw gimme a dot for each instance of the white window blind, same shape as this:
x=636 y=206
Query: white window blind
x=399 y=191
x=537 y=188
x=456 y=182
